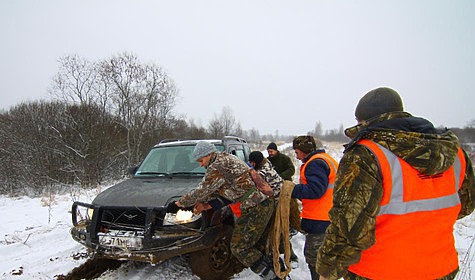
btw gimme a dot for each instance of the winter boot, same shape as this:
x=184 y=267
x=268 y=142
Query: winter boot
x=265 y=269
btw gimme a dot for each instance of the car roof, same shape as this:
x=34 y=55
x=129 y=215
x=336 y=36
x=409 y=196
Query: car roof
x=185 y=142
x=180 y=142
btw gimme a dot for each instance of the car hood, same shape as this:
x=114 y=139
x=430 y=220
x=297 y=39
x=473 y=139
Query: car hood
x=146 y=192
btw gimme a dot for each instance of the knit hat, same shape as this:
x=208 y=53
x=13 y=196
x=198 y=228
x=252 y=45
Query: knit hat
x=272 y=146
x=305 y=143
x=203 y=149
x=378 y=101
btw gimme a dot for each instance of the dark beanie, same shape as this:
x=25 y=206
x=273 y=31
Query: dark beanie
x=272 y=146
x=305 y=143
x=378 y=101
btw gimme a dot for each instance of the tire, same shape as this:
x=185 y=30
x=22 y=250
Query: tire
x=216 y=262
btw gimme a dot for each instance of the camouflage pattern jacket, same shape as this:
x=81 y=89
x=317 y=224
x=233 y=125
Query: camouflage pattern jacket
x=358 y=185
x=271 y=177
x=226 y=176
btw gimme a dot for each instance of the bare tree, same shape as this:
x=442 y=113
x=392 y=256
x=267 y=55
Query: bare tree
x=229 y=121
x=254 y=136
x=318 y=132
x=196 y=131
x=140 y=96
x=75 y=80
x=471 y=123
x=143 y=97
x=224 y=124
x=216 y=127
x=29 y=156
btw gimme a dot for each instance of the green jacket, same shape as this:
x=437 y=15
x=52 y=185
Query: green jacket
x=358 y=186
x=283 y=165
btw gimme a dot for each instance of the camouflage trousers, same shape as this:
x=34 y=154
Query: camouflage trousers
x=248 y=230
x=312 y=244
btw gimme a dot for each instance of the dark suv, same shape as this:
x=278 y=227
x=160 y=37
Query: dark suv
x=130 y=221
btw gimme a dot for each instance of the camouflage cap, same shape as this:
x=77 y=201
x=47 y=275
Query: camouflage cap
x=305 y=143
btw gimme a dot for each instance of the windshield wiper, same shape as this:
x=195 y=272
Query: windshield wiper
x=151 y=173
x=186 y=173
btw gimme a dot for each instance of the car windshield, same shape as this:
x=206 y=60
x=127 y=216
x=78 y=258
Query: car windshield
x=171 y=160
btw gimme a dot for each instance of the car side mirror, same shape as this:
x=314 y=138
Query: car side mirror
x=132 y=170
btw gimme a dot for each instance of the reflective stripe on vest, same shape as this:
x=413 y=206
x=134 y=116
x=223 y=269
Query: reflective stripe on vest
x=414 y=228
x=398 y=206
x=317 y=209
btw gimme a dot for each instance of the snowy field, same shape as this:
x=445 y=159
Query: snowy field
x=35 y=243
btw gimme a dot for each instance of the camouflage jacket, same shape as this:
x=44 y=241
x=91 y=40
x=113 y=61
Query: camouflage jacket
x=226 y=176
x=358 y=186
x=271 y=177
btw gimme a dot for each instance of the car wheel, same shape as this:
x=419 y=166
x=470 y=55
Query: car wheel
x=216 y=262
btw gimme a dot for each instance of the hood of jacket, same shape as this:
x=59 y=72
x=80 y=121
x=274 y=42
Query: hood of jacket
x=413 y=139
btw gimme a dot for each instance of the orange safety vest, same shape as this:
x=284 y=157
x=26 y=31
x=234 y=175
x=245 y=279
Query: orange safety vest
x=317 y=209
x=414 y=228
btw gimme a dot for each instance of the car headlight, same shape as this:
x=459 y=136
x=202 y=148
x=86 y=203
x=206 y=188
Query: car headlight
x=90 y=213
x=83 y=215
x=181 y=217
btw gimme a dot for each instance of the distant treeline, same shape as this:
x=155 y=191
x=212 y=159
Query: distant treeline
x=60 y=144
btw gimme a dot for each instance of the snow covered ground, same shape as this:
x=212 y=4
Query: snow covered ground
x=35 y=243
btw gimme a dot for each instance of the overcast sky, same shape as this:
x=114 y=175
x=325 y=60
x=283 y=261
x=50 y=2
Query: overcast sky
x=279 y=65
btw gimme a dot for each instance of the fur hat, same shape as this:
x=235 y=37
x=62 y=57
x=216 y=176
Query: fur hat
x=272 y=146
x=203 y=149
x=305 y=143
x=378 y=101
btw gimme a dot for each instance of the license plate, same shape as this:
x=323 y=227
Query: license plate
x=124 y=242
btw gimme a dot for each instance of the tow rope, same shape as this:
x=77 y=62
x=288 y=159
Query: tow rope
x=286 y=215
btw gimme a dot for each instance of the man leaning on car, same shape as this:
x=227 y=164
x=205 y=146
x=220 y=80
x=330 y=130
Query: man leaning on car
x=229 y=178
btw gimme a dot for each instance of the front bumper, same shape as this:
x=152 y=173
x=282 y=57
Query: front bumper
x=149 y=242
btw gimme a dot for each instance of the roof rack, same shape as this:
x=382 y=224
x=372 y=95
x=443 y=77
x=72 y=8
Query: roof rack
x=235 y=138
x=169 y=140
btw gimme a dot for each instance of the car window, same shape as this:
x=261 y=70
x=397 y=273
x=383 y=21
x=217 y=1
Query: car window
x=178 y=159
x=247 y=151
x=238 y=151
x=240 y=154
x=169 y=160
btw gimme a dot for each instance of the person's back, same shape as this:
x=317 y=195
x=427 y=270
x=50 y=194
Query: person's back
x=397 y=195
x=266 y=170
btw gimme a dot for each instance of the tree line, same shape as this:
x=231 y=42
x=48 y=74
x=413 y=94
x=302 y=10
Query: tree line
x=103 y=118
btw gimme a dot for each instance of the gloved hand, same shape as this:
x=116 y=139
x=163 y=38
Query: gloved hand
x=172 y=207
x=200 y=207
